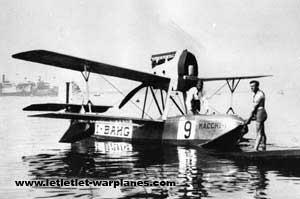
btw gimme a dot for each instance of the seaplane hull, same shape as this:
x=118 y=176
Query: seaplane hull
x=204 y=130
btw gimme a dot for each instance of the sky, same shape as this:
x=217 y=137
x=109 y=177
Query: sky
x=232 y=37
x=249 y=37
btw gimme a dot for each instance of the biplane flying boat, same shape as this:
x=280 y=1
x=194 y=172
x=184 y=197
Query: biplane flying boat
x=173 y=73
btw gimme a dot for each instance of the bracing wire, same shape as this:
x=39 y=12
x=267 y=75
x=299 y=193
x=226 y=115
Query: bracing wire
x=217 y=91
x=212 y=95
x=151 y=102
x=125 y=95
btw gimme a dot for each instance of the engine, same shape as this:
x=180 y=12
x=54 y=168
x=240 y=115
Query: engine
x=183 y=67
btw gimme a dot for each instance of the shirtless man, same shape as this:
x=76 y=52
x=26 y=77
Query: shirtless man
x=258 y=114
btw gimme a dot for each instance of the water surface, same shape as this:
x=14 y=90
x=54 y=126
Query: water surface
x=30 y=150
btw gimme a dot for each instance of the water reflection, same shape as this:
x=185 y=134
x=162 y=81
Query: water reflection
x=197 y=173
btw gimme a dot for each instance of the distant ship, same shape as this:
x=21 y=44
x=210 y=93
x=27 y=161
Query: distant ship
x=43 y=88
x=27 y=88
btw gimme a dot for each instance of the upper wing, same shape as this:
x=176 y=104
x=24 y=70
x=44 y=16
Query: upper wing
x=79 y=64
x=192 y=78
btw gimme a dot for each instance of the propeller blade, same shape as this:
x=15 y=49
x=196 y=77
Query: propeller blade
x=131 y=94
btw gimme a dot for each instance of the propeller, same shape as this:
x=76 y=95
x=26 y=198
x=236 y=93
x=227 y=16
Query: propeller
x=131 y=94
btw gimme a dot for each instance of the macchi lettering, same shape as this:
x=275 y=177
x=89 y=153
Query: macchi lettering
x=211 y=125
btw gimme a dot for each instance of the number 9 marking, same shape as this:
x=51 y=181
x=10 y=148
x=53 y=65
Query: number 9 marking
x=187 y=129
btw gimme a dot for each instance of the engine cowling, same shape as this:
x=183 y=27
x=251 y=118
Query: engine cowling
x=177 y=66
x=187 y=66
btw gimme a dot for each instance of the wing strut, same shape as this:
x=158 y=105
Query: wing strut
x=156 y=102
x=232 y=85
x=86 y=76
x=162 y=99
x=178 y=107
x=145 y=101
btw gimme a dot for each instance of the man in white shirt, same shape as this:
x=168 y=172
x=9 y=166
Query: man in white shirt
x=258 y=114
x=195 y=98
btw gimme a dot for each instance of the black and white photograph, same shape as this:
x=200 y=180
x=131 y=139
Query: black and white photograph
x=150 y=99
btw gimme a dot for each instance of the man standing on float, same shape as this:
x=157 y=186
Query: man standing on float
x=195 y=99
x=258 y=114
